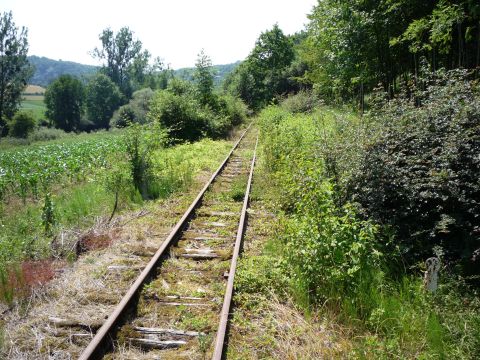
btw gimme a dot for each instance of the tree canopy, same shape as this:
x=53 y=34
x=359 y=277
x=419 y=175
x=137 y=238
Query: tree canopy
x=15 y=70
x=125 y=60
x=103 y=97
x=263 y=75
x=64 y=99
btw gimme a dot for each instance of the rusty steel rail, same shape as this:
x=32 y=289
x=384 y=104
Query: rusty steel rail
x=222 y=327
x=103 y=339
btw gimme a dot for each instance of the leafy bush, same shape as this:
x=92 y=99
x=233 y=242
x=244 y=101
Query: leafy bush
x=233 y=108
x=123 y=116
x=135 y=111
x=46 y=134
x=178 y=114
x=421 y=176
x=330 y=253
x=21 y=125
x=302 y=102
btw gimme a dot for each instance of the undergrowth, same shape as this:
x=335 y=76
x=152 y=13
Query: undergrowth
x=339 y=261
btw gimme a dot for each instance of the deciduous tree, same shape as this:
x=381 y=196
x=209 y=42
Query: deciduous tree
x=102 y=99
x=123 y=56
x=64 y=99
x=15 y=70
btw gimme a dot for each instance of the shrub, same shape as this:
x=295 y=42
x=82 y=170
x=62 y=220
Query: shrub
x=21 y=125
x=123 y=116
x=179 y=114
x=135 y=111
x=46 y=134
x=302 y=102
x=421 y=176
x=234 y=109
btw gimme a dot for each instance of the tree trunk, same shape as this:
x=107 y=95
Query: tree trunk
x=478 y=45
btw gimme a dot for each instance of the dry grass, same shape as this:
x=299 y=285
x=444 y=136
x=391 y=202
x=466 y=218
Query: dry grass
x=34 y=89
x=88 y=290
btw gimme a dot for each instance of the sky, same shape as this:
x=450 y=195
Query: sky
x=174 y=30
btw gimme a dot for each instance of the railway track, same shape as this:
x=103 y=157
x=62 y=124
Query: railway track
x=179 y=305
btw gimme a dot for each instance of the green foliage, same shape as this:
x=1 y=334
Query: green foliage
x=331 y=257
x=260 y=275
x=48 y=215
x=102 y=99
x=21 y=125
x=179 y=114
x=15 y=70
x=203 y=77
x=139 y=144
x=262 y=76
x=64 y=99
x=302 y=102
x=421 y=175
x=352 y=47
x=330 y=253
x=125 y=60
x=135 y=111
x=46 y=134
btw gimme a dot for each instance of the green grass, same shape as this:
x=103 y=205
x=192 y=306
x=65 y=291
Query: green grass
x=35 y=105
x=78 y=204
x=390 y=314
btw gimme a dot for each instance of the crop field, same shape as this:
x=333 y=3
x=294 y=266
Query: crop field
x=34 y=104
x=24 y=172
x=66 y=179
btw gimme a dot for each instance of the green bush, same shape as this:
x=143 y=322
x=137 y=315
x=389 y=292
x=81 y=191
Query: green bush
x=135 y=111
x=46 y=134
x=21 y=125
x=302 y=102
x=123 y=116
x=421 y=175
x=179 y=114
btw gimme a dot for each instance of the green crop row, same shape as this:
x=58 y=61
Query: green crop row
x=25 y=172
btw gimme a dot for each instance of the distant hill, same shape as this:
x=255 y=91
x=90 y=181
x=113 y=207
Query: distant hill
x=47 y=70
x=220 y=71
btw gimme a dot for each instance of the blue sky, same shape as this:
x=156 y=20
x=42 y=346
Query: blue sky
x=175 y=30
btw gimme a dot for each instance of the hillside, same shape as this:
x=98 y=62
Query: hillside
x=47 y=69
x=220 y=71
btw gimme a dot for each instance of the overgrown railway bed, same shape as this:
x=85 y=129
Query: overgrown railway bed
x=178 y=306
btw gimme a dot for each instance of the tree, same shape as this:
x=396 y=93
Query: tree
x=124 y=57
x=64 y=99
x=22 y=124
x=204 y=78
x=102 y=99
x=15 y=70
x=263 y=75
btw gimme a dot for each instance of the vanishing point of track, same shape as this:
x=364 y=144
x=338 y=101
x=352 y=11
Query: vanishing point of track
x=174 y=309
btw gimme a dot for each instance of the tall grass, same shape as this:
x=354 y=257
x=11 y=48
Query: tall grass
x=78 y=205
x=338 y=261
